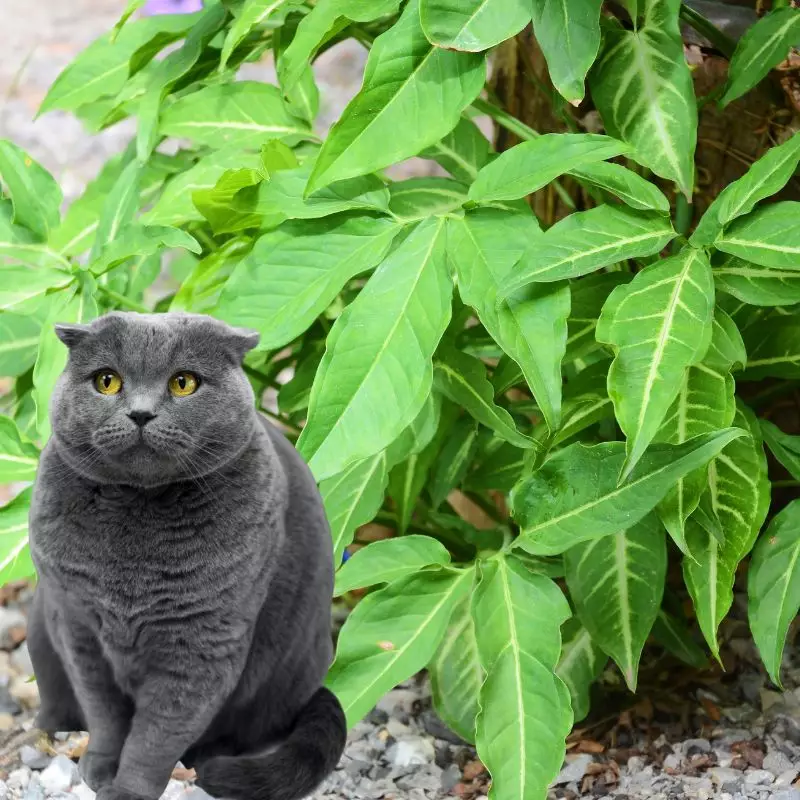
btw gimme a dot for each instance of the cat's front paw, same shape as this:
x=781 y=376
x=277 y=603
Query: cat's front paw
x=98 y=769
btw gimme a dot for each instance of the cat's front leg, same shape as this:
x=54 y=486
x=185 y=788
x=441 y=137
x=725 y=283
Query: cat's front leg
x=173 y=710
x=105 y=707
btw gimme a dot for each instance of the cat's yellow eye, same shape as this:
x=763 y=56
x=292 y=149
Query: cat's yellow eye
x=182 y=384
x=107 y=382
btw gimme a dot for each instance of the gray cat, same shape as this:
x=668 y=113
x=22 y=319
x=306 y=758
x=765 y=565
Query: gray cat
x=185 y=570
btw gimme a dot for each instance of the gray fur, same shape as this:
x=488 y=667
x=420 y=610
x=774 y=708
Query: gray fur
x=185 y=572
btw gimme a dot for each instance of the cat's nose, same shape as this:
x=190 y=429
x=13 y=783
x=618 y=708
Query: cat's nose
x=141 y=418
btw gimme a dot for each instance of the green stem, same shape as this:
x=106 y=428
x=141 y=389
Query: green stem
x=121 y=300
x=683 y=219
x=720 y=40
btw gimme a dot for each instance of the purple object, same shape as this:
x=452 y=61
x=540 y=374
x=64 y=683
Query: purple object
x=152 y=7
x=345 y=556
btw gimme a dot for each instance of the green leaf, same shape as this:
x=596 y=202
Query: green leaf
x=75 y=305
x=763 y=46
x=19 y=457
x=282 y=195
x=768 y=236
x=404 y=75
x=462 y=152
x=417 y=198
x=295 y=272
x=589 y=294
x=738 y=495
x=755 y=285
x=19 y=341
x=34 y=192
x=773 y=586
x=529 y=166
x=391 y=635
x=462 y=378
x=658 y=325
x=643 y=89
x=454 y=460
x=22 y=288
x=705 y=403
x=773 y=348
x=15 y=557
x=141 y=240
x=103 y=67
x=457 y=675
x=586 y=402
x=484 y=247
x=387 y=560
x=242 y=114
x=119 y=207
x=472 y=25
x=625 y=184
x=552 y=520
x=525 y=713
x=352 y=498
x=673 y=635
x=585 y=241
x=581 y=663
x=568 y=31
x=252 y=14
x=784 y=447
x=175 y=206
x=616 y=583
x=377 y=371
x=764 y=178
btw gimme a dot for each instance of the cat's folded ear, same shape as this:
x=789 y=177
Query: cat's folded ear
x=72 y=334
x=242 y=340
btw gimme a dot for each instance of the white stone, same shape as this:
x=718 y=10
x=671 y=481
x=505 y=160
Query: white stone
x=61 y=773
x=175 y=789
x=33 y=758
x=21 y=661
x=83 y=792
x=410 y=751
x=574 y=769
x=19 y=778
x=758 y=777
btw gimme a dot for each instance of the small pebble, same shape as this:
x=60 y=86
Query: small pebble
x=82 y=791
x=25 y=692
x=21 y=661
x=173 y=791
x=33 y=758
x=19 y=779
x=786 y=794
x=758 y=777
x=196 y=793
x=3 y=790
x=59 y=775
x=574 y=769
x=12 y=626
x=6 y=721
x=410 y=751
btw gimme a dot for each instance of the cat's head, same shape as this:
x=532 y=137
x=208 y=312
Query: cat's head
x=148 y=399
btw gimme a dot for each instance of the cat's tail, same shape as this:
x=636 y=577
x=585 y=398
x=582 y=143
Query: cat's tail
x=291 y=771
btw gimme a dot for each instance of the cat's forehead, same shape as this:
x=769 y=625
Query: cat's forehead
x=148 y=342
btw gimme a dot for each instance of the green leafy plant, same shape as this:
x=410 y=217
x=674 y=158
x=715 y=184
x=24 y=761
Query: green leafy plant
x=541 y=413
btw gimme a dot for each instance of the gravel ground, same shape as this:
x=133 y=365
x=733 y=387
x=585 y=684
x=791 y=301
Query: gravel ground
x=727 y=736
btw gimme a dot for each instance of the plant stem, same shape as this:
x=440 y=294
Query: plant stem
x=683 y=219
x=720 y=40
x=786 y=484
x=121 y=300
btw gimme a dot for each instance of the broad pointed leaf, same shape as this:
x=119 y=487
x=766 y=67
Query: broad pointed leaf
x=295 y=272
x=377 y=371
x=658 y=325
x=15 y=557
x=119 y=207
x=242 y=114
x=765 y=177
x=768 y=236
x=19 y=341
x=252 y=14
x=19 y=457
x=616 y=583
x=673 y=635
x=531 y=165
x=472 y=25
x=756 y=285
x=585 y=241
x=20 y=287
x=387 y=560
x=387 y=120
x=462 y=378
x=568 y=31
x=643 y=90
x=391 y=635
x=457 y=675
x=763 y=46
x=552 y=520
x=417 y=198
x=581 y=663
x=738 y=495
x=454 y=460
x=783 y=446
x=141 y=240
x=34 y=192
x=773 y=586
x=525 y=714
x=625 y=184
x=352 y=498
x=773 y=347
x=530 y=326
